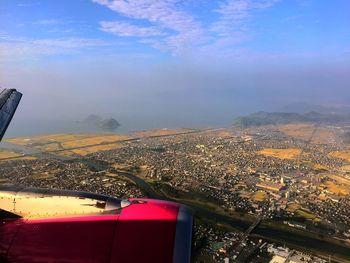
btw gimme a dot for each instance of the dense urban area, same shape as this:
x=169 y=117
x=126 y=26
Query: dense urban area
x=272 y=193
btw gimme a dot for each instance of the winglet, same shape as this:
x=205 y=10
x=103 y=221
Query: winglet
x=9 y=100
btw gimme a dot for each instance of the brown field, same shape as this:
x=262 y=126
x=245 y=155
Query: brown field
x=66 y=153
x=322 y=197
x=340 y=179
x=160 y=132
x=93 y=149
x=320 y=167
x=316 y=166
x=304 y=131
x=301 y=131
x=336 y=188
x=300 y=211
x=48 y=138
x=345 y=168
x=290 y=153
x=293 y=207
x=8 y=154
x=51 y=147
x=224 y=133
x=324 y=135
x=68 y=140
x=56 y=142
x=94 y=141
x=305 y=213
x=83 y=144
x=341 y=155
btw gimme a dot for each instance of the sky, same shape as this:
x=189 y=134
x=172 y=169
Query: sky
x=152 y=63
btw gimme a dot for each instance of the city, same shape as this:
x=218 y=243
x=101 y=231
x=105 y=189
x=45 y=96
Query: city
x=274 y=193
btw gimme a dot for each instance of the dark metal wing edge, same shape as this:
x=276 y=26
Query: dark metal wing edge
x=9 y=100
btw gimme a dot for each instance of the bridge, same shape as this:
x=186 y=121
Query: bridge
x=252 y=227
x=244 y=239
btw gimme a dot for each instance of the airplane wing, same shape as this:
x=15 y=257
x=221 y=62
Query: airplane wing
x=48 y=225
x=9 y=100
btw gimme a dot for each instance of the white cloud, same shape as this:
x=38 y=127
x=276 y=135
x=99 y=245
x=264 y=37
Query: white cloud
x=50 y=22
x=12 y=48
x=177 y=30
x=166 y=25
x=235 y=15
x=180 y=29
x=233 y=25
x=126 y=29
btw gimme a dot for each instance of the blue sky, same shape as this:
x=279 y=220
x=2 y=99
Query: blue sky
x=172 y=29
x=169 y=53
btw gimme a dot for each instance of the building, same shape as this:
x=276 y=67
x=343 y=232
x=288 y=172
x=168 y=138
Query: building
x=270 y=186
x=278 y=259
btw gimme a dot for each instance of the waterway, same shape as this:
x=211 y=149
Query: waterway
x=283 y=236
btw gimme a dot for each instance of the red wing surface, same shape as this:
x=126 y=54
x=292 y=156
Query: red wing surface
x=43 y=225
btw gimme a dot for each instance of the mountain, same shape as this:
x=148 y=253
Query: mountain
x=305 y=108
x=275 y=118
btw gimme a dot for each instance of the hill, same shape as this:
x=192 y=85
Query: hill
x=276 y=118
x=303 y=108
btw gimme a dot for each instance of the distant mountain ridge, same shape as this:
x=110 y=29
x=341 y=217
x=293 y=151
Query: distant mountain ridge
x=302 y=107
x=275 y=118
